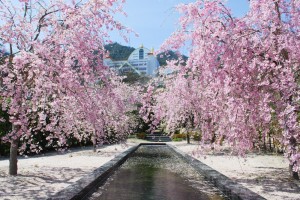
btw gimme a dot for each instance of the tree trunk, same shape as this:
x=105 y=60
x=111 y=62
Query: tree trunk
x=270 y=143
x=13 y=160
x=293 y=174
x=188 y=138
x=94 y=143
x=265 y=146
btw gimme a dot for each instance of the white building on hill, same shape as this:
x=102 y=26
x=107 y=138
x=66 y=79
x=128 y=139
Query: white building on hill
x=141 y=61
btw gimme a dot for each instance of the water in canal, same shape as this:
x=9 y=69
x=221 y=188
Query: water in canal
x=156 y=173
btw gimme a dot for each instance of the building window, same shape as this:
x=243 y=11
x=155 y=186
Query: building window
x=141 y=54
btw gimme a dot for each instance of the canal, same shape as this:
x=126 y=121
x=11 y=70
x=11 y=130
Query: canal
x=156 y=172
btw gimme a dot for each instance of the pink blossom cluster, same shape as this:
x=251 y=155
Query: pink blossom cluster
x=54 y=81
x=242 y=75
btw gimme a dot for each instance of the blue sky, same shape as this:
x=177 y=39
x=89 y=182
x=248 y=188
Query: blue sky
x=155 y=20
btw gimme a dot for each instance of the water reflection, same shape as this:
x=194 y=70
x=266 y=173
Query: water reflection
x=156 y=173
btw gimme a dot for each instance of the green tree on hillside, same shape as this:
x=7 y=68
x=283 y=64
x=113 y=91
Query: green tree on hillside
x=118 y=52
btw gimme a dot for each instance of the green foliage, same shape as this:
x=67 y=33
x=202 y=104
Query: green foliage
x=177 y=131
x=5 y=127
x=131 y=136
x=133 y=78
x=177 y=139
x=179 y=136
x=4 y=149
x=118 y=52
x=141 y=136
x=197 y=136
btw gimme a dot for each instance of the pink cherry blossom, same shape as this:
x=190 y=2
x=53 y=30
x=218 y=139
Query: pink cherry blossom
x=241 y=75
x=54 y=81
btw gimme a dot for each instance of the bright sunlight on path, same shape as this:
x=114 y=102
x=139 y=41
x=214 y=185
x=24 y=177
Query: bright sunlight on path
x=42 y=176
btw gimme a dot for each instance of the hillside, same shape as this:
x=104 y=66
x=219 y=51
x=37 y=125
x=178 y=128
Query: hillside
x=120 y=52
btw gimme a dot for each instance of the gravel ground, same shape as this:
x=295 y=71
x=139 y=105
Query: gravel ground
x=266 y=175
x=44 y=175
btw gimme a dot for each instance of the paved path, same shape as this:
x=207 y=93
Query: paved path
x=42 y=176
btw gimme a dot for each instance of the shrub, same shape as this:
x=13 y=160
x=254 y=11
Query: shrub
x=197 y=136
x=181 y=136
x=221 y=140
x=177 y=131
x=141 y=136
x=4 y=149
x=5 y=127
x=177 y=139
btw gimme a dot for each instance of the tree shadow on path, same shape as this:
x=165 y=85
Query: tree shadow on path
x=276 y=182
x=39 y=183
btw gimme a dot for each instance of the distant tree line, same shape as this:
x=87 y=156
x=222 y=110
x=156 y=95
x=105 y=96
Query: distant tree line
x=120 y=52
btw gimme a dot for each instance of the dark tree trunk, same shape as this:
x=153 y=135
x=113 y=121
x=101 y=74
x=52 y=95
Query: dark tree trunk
x=213 y=139
x=188 y=138
x=13 y=157
x=265 y=146
x=270 y=142
x=13 y=160
x=293 y=174
x=94 y=144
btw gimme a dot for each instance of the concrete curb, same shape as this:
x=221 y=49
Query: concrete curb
x=83 y=186
x=230 y=188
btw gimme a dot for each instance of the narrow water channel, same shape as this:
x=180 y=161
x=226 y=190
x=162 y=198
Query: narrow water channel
x=156 y=173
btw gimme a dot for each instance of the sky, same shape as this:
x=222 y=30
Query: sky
x=155 y=20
